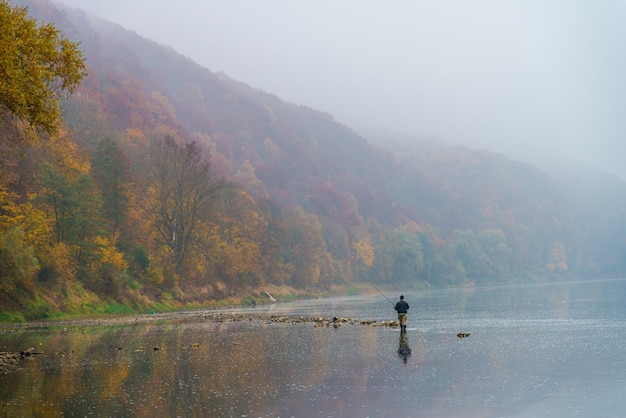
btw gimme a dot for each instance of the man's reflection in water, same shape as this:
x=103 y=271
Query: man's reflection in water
x=404 y=351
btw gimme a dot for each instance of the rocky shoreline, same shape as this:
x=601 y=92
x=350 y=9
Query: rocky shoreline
x=10 y=361
x=200 y=315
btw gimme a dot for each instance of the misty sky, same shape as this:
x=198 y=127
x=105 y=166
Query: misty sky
x=529 y=78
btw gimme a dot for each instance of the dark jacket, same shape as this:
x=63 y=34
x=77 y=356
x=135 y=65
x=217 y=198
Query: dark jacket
x=402 y=306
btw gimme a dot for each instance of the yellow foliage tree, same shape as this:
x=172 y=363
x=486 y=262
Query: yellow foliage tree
x=18 y=264
x=306 y=248
x=240 y=228
x=69 y=159
x=364 y=249
x=108 y=253
x=37 y=65
x=60 y=263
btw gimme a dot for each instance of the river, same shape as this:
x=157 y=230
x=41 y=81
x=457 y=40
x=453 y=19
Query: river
x=541 y=350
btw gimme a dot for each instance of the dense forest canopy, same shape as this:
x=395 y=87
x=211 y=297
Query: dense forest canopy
x=163 y=184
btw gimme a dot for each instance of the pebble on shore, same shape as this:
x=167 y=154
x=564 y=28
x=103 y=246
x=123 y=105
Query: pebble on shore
x=9 y=362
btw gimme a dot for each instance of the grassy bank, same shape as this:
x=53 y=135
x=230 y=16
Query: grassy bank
x=80 y=304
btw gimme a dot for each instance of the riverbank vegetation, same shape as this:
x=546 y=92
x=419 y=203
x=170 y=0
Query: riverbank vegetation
x=159 y=185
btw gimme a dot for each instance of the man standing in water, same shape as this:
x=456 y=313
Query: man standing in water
x=402 y=307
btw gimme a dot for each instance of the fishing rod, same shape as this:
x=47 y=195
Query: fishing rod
x=393 y=304
x=385 y=296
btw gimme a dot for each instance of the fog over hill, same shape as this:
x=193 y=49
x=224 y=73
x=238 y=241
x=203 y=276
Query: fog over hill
x=538 y=81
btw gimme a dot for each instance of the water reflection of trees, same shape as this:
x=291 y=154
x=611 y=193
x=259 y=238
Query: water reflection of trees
x=116 y=371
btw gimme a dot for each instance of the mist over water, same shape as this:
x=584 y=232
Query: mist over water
x=534 y=350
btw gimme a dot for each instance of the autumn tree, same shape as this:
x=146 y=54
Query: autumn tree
x=380 y=271
x=408 y=260
x=435 y=270
x=179 y=195
x=79 y=247
x=17 y=262
x=37 y=65
x=363 y=250
x=241 y=231
x=276 y=269
x=305 y=248
x=74 y=207
x=485 y=256
x=111 y=171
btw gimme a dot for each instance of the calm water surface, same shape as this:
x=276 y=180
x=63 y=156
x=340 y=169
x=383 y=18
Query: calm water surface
x=551 y=350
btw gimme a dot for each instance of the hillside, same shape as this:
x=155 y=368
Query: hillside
x=271 y=193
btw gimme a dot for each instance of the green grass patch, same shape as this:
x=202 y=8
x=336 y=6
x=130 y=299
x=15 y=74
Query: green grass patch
x=12 y=317
x=37 y=309
x=161 y=307
x=286 y=297
x=248 y=300
x=118 y=309
x=353 y=291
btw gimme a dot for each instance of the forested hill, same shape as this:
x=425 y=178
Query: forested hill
x=173 y=184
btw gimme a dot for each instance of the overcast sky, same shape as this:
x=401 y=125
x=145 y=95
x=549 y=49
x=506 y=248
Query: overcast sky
x=529 y=78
